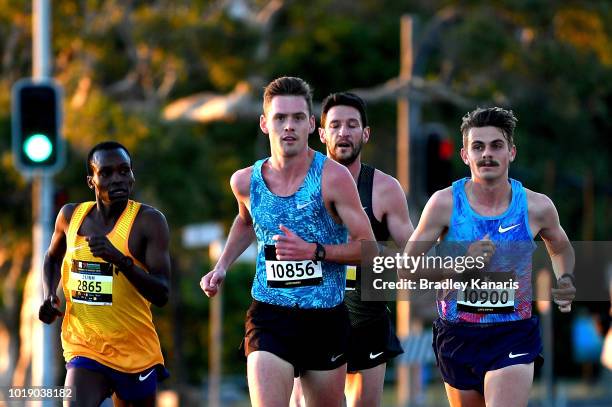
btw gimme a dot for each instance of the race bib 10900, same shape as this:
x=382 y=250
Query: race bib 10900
x=488 y=293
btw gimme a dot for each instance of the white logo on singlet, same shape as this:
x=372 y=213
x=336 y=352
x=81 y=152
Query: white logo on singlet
x=512 y=355
x=303 y=205
x=504 y=230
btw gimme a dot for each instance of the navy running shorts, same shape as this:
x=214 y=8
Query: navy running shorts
x=466 y=352
x=127 y=386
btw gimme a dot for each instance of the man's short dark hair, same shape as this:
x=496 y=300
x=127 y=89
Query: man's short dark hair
x=103 y=146
x=287 y=86
x=344 y=99
x=491 y=116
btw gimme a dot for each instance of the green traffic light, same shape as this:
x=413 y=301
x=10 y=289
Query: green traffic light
x=38 y=148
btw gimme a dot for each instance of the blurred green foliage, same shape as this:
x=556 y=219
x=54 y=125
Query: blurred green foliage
x=121 y=62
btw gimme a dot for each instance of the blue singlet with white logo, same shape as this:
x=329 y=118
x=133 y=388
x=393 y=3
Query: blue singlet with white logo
x=305 y=214
x=511 y=234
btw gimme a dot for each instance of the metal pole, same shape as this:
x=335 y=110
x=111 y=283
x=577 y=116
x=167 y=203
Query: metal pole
x=216 y=348
x=543 y=286
x=43 y=356
x=408 y=377
x=49 y=336
x=41 y=26
x=216 y=337
x=403 y=105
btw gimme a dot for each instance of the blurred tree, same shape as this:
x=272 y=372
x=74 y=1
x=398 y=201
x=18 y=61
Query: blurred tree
x=122 y=62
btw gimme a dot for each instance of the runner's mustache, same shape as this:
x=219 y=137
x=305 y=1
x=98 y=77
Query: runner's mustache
x=490 y=163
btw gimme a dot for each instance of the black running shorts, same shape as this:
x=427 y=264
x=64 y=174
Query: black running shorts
x=372 y=344
x=309 y=339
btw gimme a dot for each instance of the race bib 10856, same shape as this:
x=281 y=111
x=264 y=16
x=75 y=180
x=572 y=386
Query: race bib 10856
x=289 y=274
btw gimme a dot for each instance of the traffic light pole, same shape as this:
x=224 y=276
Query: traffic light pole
x=408 y=383
x=41 y=39
x=43 y=353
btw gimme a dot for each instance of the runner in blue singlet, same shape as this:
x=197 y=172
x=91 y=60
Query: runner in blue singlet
x=300 y=207
x=486 y=350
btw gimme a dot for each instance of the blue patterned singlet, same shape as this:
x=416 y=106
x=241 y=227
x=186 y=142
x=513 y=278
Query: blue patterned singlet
x=514 y=246
x=305 y=214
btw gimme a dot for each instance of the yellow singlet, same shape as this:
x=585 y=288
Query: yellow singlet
x=106 y=318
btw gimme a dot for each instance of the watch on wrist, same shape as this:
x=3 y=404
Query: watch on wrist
x=126 y=263
x=319 y=252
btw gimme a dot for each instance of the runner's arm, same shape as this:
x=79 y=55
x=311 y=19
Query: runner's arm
x=339 y=188
x=557 y=243
x=558 y=246
x=396 y=211
x=55 y=253
x=153 y=284
x=240 y=237
x=49 y=309
x=434 y=220
x=241 y=234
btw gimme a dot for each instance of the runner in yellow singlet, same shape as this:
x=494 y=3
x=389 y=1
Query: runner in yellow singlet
x=111 y=258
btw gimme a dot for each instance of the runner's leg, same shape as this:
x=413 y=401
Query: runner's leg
x=324 y=388
x=464 y=398
x=364 y=388
x=270 y=379
x=145 y=402
x=508 y=386
x=297 y=395
x=89 y=388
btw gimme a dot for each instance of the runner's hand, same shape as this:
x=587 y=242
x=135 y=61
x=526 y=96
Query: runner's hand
x=291 y=247
x=564 y=294
x=211 y=282
x=49 y=310
x=482 y=248
x=101 y=247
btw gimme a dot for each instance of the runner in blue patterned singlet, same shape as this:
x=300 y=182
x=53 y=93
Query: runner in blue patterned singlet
x=514 y=246
x=305 y=214
x=486 y=350
x=301 y=208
